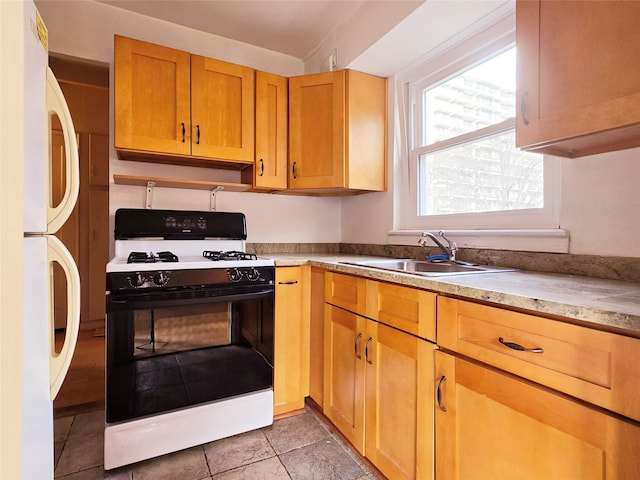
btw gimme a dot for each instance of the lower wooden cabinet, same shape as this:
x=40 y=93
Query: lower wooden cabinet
x=591 y=365
x=493 y=425
x=291 y=349
x=378 y=391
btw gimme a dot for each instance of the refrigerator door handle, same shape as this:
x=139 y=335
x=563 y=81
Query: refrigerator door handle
x=59 y=362
x=56 y=104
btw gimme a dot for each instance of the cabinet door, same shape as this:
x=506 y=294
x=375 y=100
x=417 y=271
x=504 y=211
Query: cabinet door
x=578 y=76
x=272 y=130
x=222 y=106
x=344 y=373
x=291 y=349
x=316 y=135
x=399 y=403
x=490 y=425
x=152 y=97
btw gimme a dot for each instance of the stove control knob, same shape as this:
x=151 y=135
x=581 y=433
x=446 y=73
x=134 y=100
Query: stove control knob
x=137 y=280
x=160 y=279
x=235 y=275
x=252 y=274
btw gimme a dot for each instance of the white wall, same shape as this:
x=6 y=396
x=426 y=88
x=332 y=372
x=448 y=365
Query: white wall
x=356 y=34
x=85 y=29
x=600 y=204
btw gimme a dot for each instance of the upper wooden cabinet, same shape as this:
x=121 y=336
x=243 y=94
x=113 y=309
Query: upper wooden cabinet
x=337 y=132
x=152 y=97
x=271 y=136
x=578 y=87
x=222 y=109
x=176 y=107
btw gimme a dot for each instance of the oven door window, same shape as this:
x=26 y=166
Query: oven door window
x=165 y=358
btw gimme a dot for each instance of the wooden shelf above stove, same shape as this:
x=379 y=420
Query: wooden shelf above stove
x=179 y=183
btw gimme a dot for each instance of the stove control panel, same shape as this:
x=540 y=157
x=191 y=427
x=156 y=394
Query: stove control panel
x=178 y=224
x=250 y=274
x=147 y=279
x=139 y=280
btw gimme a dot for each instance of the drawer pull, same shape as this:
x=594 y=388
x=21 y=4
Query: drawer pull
x=515 y=346
x=355 y=347
x=439 y=394
x=291 y=282
x=366 y=351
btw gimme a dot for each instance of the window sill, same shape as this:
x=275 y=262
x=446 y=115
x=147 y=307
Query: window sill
x=538 y=240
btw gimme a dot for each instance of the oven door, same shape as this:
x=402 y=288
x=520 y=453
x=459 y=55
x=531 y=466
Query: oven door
x=172 y=349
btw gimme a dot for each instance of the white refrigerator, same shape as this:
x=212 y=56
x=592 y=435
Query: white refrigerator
x=44 y=369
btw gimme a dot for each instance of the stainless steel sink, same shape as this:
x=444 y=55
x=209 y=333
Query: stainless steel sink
x=428 y=269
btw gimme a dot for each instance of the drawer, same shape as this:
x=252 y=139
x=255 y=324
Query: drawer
x=595 y=366
x=409 y=309
x=346 y=291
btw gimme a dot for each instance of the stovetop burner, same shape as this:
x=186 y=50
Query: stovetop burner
x=143 y=257
x=229 y=255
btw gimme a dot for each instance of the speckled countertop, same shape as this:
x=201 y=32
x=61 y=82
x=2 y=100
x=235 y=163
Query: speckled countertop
x=607 y=304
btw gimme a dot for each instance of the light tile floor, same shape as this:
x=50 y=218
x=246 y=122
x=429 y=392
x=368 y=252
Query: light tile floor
x=300 y=447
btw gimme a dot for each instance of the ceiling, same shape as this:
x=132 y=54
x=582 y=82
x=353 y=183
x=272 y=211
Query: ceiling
x=292 y=27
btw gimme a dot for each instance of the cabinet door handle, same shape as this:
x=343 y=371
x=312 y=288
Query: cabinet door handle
x=515 y=346
x=355 y=346
x=293 y=169
x=198 y=134
x=183 y=131
x=366 y=351
x=439 y=394
x=291 y=282
x=523 y=108
x=261 y=168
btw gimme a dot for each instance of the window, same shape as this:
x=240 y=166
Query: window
x=464 y=169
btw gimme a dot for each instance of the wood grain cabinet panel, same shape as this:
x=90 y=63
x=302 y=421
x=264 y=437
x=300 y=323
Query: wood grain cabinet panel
x=272 y=133
x=344 y=373
x=346 y=291
x=578 y=83
x=316 y=336
x=291 y=344
x=337 y=132
x=409 y=309
x=152 y=97
x=591 y=365
x=399 y=419
x=492 y=425
x=222 y=109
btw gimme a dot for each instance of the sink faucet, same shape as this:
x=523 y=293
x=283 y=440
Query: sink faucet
x=450 y=250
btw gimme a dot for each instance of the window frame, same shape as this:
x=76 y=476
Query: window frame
x=464 y=52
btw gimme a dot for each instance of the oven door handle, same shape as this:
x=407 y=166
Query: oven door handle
x=245 y=296
x=133 y=302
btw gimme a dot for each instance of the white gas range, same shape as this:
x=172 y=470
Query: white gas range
x=189 y=333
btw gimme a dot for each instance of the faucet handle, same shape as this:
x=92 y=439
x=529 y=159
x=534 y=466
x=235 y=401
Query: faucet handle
x=453 y=246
